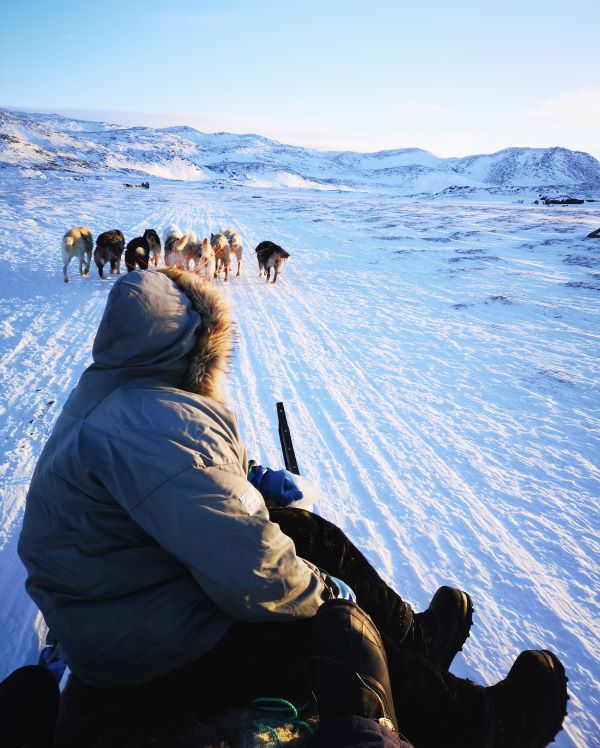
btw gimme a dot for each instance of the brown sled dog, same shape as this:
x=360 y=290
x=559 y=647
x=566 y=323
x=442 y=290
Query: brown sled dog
x=109 y=248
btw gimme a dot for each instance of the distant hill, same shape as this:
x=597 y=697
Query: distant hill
x=49 y=142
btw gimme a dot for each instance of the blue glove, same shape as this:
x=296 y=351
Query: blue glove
x=344 y=592
x=278 y=487
x=337 y=587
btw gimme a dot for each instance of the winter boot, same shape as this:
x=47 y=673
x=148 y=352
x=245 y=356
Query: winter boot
x=440 y=631
x=528 y=707
x=348 y=665
x=435 y=708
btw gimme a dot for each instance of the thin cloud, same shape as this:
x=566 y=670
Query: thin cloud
x=572 y=110
x=578 y=109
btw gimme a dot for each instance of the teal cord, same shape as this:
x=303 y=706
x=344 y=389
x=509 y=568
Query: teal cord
x=263 y=727
x=284 y=711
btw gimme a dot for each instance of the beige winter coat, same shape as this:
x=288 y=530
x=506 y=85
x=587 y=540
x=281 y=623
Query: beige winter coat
x=142 y=538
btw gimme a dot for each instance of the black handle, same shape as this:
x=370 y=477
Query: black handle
x=289 y=456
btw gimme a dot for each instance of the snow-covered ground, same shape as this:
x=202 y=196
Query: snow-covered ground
x=439 y=363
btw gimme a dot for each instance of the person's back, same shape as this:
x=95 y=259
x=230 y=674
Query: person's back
x=135 y=462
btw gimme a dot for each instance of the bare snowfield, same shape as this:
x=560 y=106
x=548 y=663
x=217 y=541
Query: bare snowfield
x=439 y=364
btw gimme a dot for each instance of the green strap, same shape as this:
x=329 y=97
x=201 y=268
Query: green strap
x=283 y=711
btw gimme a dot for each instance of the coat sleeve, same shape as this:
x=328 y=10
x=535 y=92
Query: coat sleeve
x=216 y=523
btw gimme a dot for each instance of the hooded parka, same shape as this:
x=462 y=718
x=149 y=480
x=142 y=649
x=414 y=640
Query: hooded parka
x=142 y=538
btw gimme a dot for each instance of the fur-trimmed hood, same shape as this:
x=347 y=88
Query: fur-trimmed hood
x=210 y=358
x=170 y=326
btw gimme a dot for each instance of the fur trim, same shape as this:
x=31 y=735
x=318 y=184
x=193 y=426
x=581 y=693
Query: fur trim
x=210 y=361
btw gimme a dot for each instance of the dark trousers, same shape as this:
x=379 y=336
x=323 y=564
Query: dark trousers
x=269 y=659
x=320 y=541
x=28 y=708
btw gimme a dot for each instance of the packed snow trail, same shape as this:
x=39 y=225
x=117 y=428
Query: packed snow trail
x=439 y=366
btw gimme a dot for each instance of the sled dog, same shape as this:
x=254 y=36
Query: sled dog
x=203 y=256
x=171 y=235
x=207 y=261
x=270 y=256
x=109 y=248
x=180 y=248
x=77 y=242
x=235 y=245
x=140 y=249
x=220 y=244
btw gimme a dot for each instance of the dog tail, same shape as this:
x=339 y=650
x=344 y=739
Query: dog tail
x=183 y=241
x=170 y=231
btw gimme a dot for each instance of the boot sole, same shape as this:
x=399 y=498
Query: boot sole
x=459 y=635
x=560 y=698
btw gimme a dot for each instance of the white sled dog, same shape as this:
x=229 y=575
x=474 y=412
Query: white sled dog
x=175 y=242
x=182 y=251
x=236 y=246
x=208 y=261
x=220 y=244
x=171 y=235
x=203 y=256
x=77 y=242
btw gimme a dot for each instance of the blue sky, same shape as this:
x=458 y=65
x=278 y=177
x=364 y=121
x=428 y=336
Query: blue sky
x=453 y=77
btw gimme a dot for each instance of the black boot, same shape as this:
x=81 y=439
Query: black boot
x=528 y=707
x=440 y=631
x=435 y=708
x=348 y=666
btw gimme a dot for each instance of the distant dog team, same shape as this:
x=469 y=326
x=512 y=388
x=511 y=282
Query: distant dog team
x=207 y=258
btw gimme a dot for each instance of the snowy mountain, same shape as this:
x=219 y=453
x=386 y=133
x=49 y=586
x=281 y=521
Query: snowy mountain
x=47 y=142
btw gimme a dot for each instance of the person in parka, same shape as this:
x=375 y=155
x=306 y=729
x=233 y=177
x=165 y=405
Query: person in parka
x=157 y=564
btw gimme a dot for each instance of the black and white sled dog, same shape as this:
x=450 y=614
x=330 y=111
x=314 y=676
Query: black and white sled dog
x=140 y=249
x=271 y=256
x=109 y=248
x=77 y=242
x=235 y=245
